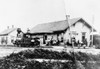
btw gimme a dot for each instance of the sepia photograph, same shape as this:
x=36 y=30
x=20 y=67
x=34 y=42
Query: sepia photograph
x=49 y=34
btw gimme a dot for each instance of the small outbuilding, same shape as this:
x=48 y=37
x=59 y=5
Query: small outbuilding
x=8 y=36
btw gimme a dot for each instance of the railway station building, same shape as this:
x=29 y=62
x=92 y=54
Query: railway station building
x=64 y=30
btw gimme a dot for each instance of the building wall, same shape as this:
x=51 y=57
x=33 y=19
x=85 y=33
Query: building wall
x=2 y=38
x=79 y=27
x=10 y=37
x=49 y=37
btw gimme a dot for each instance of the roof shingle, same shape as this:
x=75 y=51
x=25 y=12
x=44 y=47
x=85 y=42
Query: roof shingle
x=7 y=31
x=53 y=26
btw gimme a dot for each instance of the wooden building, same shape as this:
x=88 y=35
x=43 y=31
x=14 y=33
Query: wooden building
x=79 y=29
x=8 y=36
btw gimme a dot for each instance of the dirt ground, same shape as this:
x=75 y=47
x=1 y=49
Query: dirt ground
x=4 y=51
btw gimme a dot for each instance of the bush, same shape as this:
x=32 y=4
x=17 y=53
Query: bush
x=12 y=64
x=19 y=60
x=49 y=54
x=44 y=54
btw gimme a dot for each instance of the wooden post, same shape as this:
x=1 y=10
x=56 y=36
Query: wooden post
x=70 y=33
x=92 y=28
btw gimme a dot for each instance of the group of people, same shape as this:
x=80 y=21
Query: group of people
x=77 y=43
x=54 y=42
x=68 y=42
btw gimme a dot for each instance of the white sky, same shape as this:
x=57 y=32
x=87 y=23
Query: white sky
x=28 y=13
x=88 y=9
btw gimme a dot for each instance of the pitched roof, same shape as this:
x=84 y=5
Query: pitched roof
x=7 y=31
x=53 y=26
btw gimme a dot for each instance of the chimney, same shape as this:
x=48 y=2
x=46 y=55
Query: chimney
x=7 y=27
x=12 y=26
x=28 y=30
x=67 y=17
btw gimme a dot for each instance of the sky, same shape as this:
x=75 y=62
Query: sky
x=28 y=13
x=87 y=9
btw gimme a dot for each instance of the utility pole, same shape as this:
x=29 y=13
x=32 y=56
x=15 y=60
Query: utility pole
x=68 y=21
x=69 y=26
x=66 y=17
x=92 y=28
x=70 y=35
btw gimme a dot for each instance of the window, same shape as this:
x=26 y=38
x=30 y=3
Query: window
x=83 y=36
x=73 y=33
x=83 y=33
